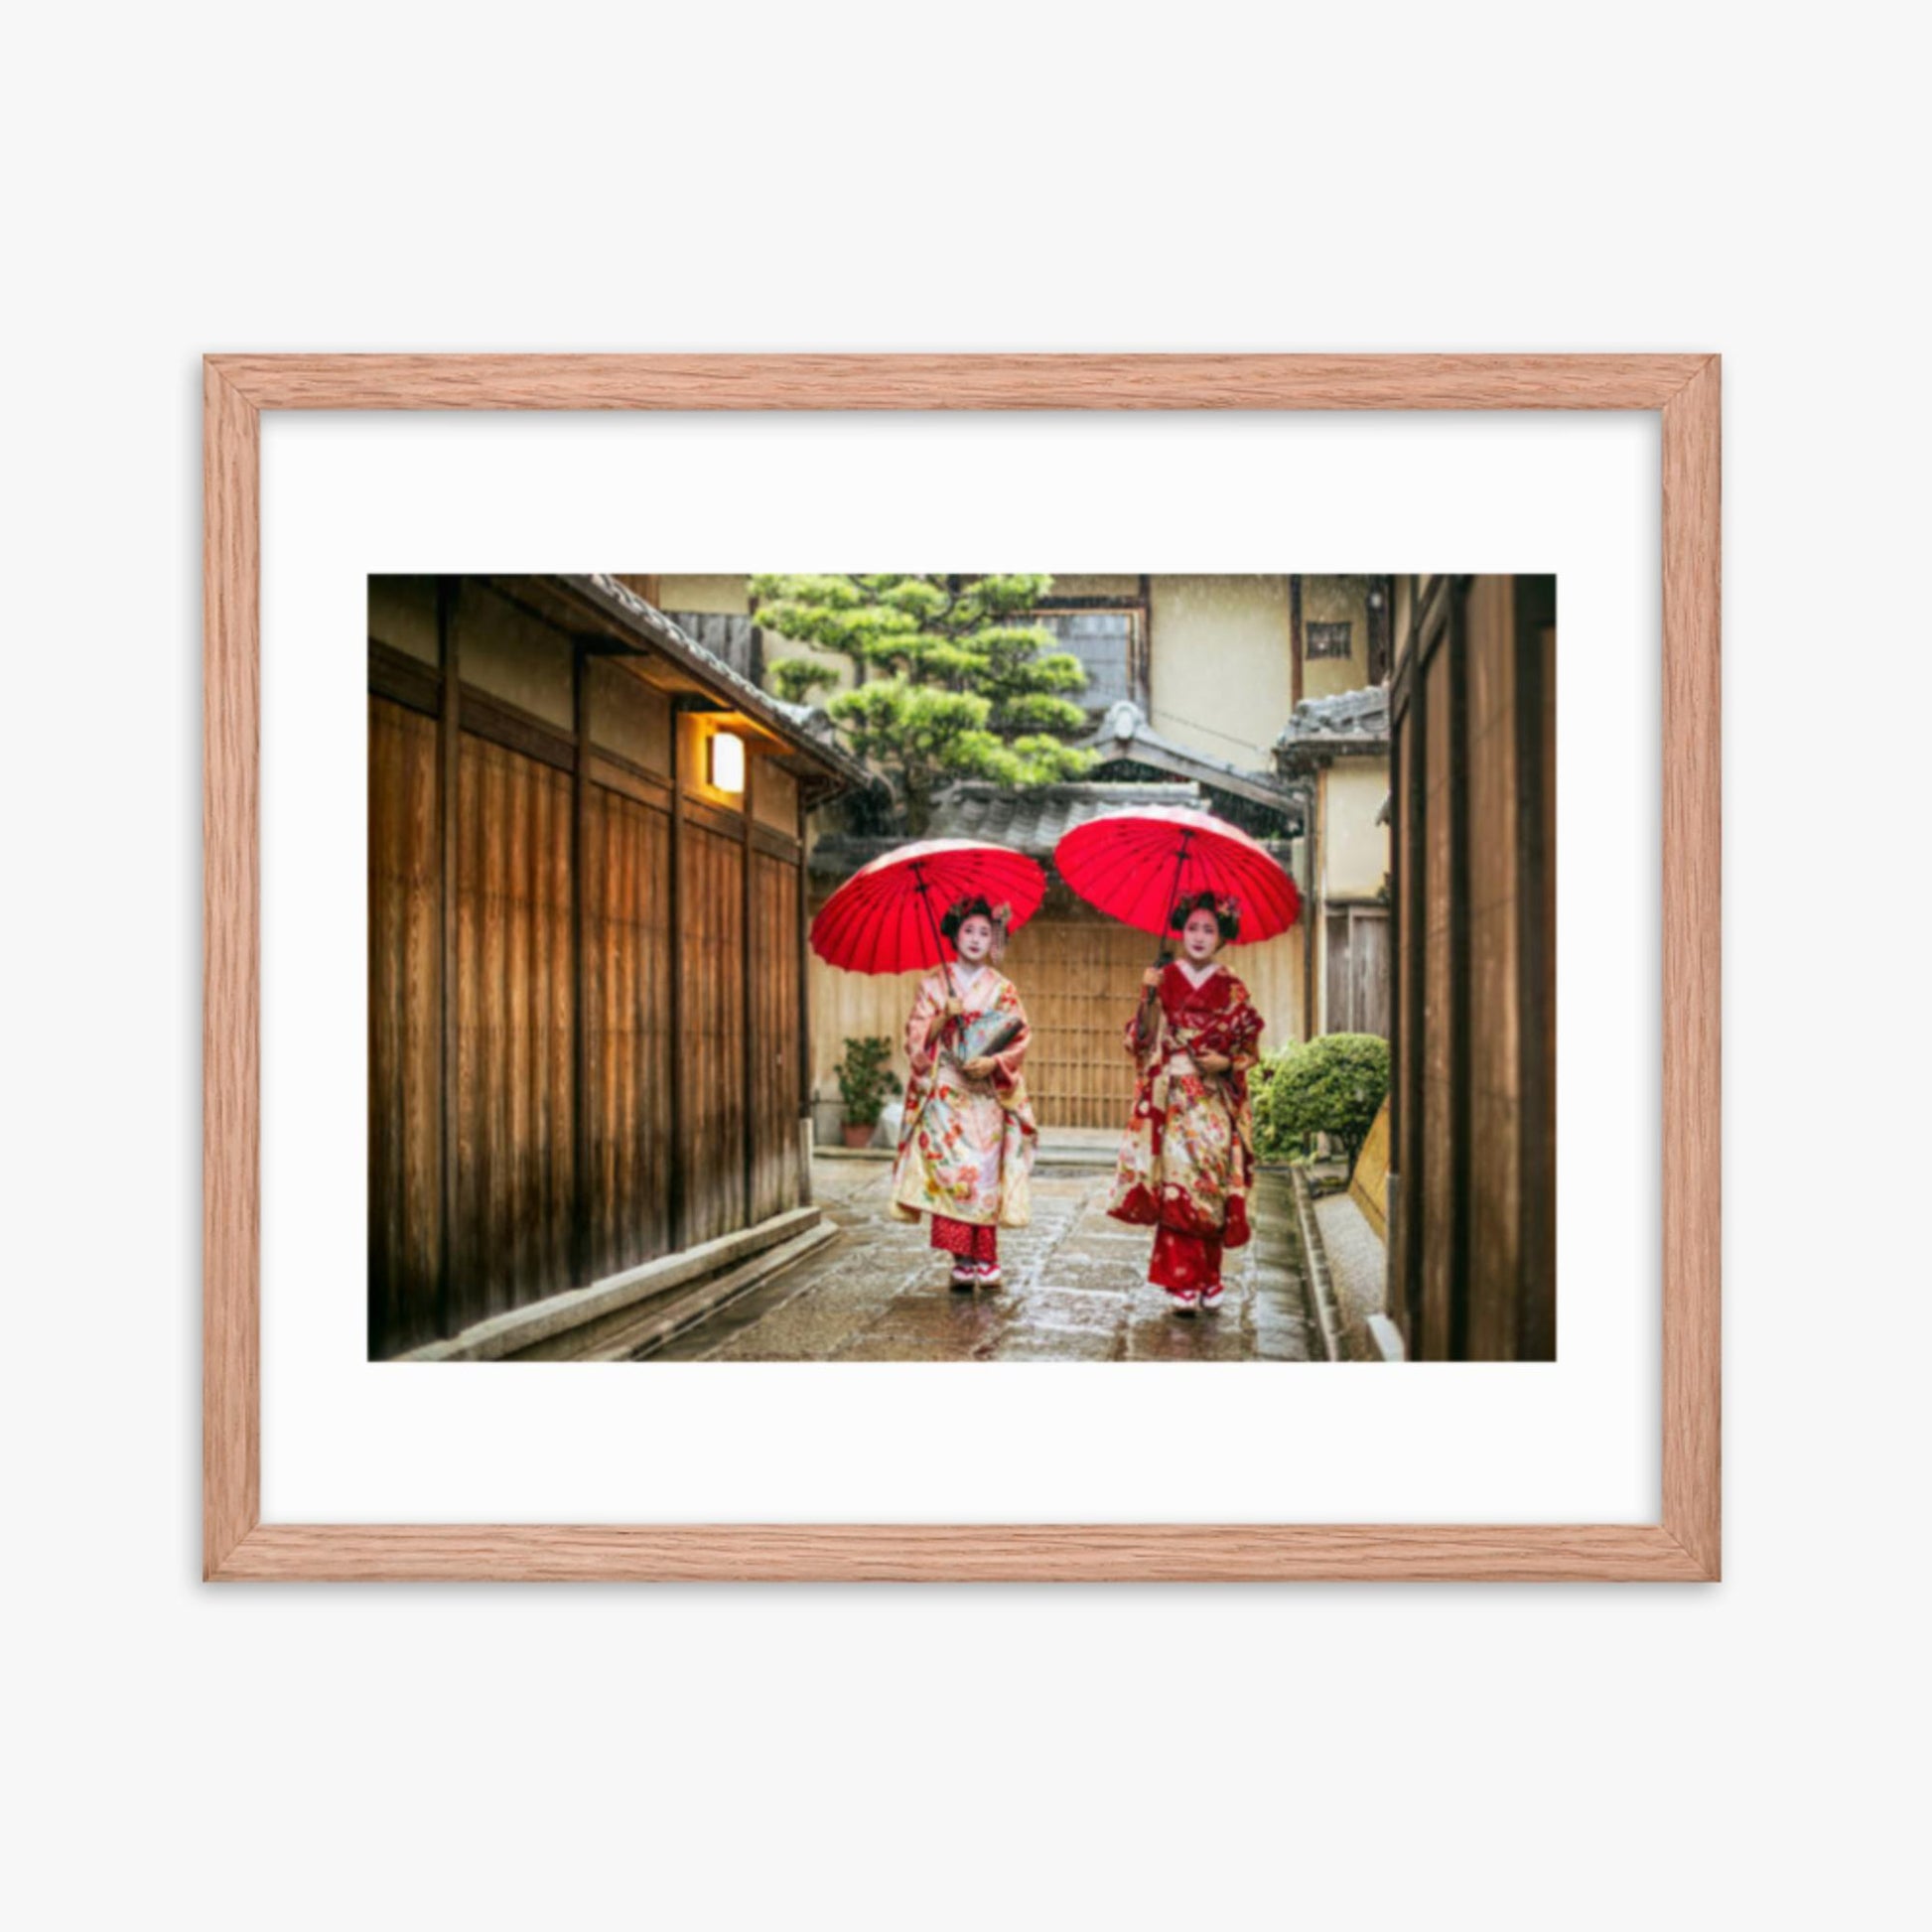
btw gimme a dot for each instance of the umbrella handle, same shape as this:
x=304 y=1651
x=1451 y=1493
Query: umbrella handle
x=938 y=947
x=1173 y=894
x=1143 y=1030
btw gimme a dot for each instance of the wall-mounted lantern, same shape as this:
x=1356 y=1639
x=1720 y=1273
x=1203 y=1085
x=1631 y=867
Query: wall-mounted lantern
x=725 y=756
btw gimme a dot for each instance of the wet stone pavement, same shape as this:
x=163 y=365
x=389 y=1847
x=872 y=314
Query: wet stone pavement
x=1076 y=1288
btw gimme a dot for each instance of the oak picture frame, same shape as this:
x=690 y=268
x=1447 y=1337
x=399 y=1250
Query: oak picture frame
x=1682 y=1546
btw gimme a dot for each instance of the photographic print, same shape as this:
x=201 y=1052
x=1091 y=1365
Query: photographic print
x=1024 y=967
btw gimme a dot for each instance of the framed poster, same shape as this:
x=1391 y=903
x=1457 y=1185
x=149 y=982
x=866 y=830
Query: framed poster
x=533 y=1048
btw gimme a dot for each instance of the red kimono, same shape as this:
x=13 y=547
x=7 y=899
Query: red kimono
x=1187 y=1160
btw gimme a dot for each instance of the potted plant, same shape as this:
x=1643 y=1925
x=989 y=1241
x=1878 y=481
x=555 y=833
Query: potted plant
x=865 y=1081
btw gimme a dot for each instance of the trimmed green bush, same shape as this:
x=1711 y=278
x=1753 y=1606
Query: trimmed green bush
x=1334 y=1085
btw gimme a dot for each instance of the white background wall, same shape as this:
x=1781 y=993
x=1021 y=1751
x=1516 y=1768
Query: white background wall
x=1478 y=177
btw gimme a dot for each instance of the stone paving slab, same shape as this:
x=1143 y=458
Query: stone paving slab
x=1075 y=1289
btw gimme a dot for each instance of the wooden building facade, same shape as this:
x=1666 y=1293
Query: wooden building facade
x=587 y=1021
x=1471 y=1183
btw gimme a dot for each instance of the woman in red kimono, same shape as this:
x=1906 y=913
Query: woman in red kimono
x=1186 y=1161
x=966 y=1145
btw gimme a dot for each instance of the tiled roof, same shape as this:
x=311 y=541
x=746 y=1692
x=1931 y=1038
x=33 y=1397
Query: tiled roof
x=1351 y=721
x=1125 y=733
x=801 y=723
x=1032 y=820
x=1036 y=819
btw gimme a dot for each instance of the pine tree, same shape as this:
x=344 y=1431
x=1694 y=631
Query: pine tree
x=947 y=682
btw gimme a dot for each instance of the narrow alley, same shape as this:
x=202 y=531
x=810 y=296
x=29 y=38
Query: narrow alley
x=1076 y=1287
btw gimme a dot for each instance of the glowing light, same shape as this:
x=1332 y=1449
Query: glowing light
x=727 y=756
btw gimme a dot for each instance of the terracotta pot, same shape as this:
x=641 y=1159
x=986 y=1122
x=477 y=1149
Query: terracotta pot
x=857 y=1136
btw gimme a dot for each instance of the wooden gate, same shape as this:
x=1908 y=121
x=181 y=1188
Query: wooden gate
x=1081 y=980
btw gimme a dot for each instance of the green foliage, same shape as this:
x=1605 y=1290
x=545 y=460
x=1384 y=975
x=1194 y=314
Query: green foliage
x=795 y=679
x=865 y=1079
x=1334 y=1085
x=946 y=684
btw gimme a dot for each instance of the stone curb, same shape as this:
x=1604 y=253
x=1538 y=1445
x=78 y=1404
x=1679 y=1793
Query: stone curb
x=1322 y=1306
x=602 y=1320
x=1385 y=1339
x=690 y=1309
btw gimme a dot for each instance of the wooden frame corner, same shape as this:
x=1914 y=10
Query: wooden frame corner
x=1683 y=1546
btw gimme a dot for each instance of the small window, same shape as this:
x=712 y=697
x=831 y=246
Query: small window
x=1328 y=640
x=1105 y=643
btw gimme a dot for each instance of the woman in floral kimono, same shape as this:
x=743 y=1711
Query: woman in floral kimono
x=1187 y=1160
x=966 y=1146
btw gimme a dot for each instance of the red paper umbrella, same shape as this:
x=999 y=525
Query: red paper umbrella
x=886 y=918
x=1136 y=864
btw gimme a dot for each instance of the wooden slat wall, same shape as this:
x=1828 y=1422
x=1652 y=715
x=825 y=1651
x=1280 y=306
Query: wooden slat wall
x=1473 y=1256
x=516 y=1001
x=855 y=1005
x=1495 y=1054
x=492 y=1103
x=628 y=870
x=778 y=1165
x=1537 y=1328
x=709 y=1053
x=405 y=1018
x=1439 y=1201
x=1406 y=1034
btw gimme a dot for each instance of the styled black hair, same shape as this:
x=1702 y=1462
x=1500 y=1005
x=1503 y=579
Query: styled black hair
x=1227 y=915
x=962 y=910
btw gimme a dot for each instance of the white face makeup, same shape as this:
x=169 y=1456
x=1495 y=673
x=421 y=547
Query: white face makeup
x=975 y=939
x=1201 y=937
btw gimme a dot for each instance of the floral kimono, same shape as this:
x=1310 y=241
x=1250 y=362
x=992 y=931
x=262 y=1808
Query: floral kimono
x=1187 y=1160
x=966 y=1147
